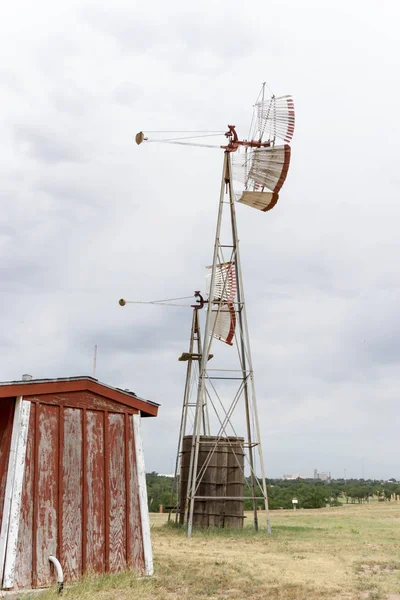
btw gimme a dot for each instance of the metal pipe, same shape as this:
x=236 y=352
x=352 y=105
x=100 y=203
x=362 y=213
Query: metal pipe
x=60 y=575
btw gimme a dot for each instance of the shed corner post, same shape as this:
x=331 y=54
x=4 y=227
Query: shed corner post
x=13 y=493
x=144 y=510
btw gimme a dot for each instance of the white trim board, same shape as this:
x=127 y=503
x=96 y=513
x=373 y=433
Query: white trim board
x=13 y=492
x=144 y=510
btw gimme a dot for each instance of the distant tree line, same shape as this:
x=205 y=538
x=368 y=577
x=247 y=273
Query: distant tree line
x=310 y=493
x=314 y=493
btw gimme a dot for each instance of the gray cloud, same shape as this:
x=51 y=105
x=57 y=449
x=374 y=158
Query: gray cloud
x=88 y=217
x=46 y=147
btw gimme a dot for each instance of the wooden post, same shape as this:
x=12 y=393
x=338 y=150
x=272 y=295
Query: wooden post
x=144 y=510
x=13 y=495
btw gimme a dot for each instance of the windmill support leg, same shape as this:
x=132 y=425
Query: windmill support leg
x=242 y=347
x=245 y=342
x=195 y=336
x=201 y=395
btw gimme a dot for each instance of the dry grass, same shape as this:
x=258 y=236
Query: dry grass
x=346 y=553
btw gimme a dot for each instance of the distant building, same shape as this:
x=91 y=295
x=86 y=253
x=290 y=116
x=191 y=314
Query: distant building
x=295 y=476
x=322 y=476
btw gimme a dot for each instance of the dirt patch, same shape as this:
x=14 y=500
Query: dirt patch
x=377 y=568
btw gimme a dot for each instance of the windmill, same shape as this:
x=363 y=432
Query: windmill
x=253 y=173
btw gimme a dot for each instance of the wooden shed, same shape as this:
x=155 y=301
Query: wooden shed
x=72 y=480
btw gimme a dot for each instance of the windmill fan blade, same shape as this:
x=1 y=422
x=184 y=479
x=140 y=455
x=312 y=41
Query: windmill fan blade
x=262 y=200
x=223 y=314
x=269 y=167
x=224 y=284
x=276 y=117
x=223 y=322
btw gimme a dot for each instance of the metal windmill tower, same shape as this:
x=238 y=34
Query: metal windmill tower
x=253 y=173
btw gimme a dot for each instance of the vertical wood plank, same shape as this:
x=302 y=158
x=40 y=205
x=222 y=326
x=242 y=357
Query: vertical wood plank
x=35 y=504
x=95 y=500
x=47 y=500
x=84 y=490
x=60 y=554
x=72 y=493
x=127 y=492
x=6 y=420
x=8 y=493
x=144 y=511
x=106 y=490
x=23 y=567
x=21 y=427
x=135 y=527
x=117 y=493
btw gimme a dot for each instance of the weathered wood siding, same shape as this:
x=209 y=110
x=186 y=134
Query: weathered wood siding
x=80 y=494
x=95 y=540
x=23 y=570
x=45 y=494
x=6 y=423
x=117 y=556
x=71 y=547
x=135 y=539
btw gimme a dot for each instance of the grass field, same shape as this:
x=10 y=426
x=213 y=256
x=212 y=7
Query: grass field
x=351 y=552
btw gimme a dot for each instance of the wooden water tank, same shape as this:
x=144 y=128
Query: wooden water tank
x=224 y=476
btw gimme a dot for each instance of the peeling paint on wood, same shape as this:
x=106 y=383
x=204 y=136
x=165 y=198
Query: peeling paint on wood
x=6 y=420
x=135 y=526
x=117 y=493
x=46 y=538
x=15 y=510
x=144 y=511
x=95 y=549
x=72 y=494
x=13 y=493
x=82 y=400
x=23 y=567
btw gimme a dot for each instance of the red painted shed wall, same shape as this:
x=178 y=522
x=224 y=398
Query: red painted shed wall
x=80 y=492
x=6 y=419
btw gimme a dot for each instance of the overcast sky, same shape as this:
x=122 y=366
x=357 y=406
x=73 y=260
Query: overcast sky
x=88 y=217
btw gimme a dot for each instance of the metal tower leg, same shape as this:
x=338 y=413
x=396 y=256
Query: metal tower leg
x=245 y=341
x=195 y=336
x=201 y=394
